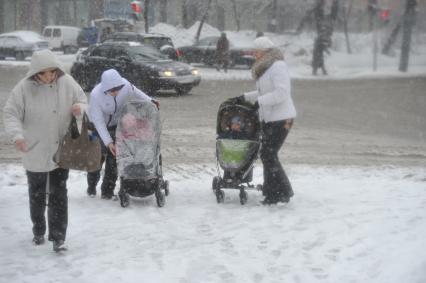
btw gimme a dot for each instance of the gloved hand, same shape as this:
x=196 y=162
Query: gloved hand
x=156 y=103
x=237 y=100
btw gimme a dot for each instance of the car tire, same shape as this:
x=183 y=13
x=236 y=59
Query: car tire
x=19 y=56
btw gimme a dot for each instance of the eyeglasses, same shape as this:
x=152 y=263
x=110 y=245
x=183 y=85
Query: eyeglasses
x=115 y=89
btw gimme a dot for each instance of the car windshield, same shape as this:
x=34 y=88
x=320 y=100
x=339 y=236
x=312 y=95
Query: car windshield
x=145 y=53
x=158 y=42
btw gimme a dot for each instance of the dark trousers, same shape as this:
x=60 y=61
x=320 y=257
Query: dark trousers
x=57 y=211
x=275 y=180
x=110 y=176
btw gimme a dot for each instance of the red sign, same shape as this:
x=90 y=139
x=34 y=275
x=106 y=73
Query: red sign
x=136 y=6
x=384 y=14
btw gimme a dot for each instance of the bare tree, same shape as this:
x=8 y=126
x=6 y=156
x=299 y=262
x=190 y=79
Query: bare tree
x=185 y=14
x=203 y=19
x=145 y=14
x=392 y=38
x=273 y=11
x=346 y=13
x=407 y=26
x=163 y=10
x=236 y=15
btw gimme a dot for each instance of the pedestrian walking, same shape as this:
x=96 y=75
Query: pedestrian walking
x=276 y=110
x=222 y=52
x=36 y=116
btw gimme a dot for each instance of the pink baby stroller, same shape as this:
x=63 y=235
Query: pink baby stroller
x=138 y=152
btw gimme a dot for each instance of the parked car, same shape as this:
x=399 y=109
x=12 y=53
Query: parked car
x=21 y=44
x=204 y=51
x=87 y=36
x=142 y=65
x=157 y=40
x=62 y=38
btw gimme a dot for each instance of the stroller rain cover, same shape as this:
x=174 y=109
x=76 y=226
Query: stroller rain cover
x=138 y=140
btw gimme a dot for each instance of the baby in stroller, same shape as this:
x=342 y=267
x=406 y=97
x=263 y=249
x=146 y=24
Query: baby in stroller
x=237 y=147
x=138 y=152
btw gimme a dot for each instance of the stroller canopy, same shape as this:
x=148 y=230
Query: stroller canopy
x=244 y=114
x=138 y=140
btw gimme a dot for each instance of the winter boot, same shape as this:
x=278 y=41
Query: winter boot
x=124 y=199
x=38 y=240
x=91 y=191
x=59 y=246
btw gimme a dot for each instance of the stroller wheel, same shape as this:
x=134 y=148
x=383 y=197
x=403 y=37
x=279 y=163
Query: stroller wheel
x=220 y=196
x=160 y=197
x=243 y=196
x=166 y=188
x=124 y=200
x=215 y=184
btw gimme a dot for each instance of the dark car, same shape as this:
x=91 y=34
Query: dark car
x=142 y=65
x=157 y=40
x=21 y=44
x=204 y=51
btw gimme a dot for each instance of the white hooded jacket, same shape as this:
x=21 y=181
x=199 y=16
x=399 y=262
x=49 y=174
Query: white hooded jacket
x=104 y=109
x=273 y=94
x=41 y=113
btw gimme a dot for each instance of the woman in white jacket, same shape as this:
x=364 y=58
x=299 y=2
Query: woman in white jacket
x=276 y=113
x=36 y=116
x=106 y=101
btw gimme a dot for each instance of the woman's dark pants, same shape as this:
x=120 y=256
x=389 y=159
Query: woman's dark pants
x=57 y=211
x=275 y=181
x=110 y=176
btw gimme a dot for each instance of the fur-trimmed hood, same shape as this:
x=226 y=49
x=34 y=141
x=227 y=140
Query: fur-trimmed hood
x=263 y=64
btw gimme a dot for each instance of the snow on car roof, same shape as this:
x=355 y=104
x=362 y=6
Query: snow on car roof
x=25 y=35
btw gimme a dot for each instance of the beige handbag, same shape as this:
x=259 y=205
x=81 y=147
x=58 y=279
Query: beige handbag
x=77 y=151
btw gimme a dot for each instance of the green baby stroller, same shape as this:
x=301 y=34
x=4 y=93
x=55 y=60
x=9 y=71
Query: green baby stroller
x=237 y=148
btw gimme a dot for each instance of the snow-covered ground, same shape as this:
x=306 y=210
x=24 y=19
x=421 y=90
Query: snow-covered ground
x=298 y=53
x=345 y=224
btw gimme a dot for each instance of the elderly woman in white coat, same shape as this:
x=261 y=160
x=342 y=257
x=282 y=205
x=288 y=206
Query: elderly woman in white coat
x=276 y=113
x=36 y=116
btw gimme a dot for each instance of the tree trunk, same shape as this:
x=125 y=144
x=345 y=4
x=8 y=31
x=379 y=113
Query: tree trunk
x=203 y=19
x=372 y=12
x=236 y=16
x=145 y=15
x=319 y=14
x=407 y=26
x=391 y=40
x=273 y=23
x=346 y=15
x=184 y=14
x=163 y=10
x=220 y=16
x=1 y=13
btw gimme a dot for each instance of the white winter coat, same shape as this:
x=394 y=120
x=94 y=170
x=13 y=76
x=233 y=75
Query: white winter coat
x=40 y=114
x=273 y=94
x=104 y=109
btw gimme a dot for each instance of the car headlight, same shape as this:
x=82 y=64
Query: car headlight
x=167 y=74
x=194 y=72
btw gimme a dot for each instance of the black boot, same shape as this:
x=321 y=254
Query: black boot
x=91 y=191
x=38 y=240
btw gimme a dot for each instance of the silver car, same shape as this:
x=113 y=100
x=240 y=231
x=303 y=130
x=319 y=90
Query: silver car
x=21 y=44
